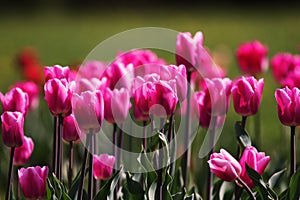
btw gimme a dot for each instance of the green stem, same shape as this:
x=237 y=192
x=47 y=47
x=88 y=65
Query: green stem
x=70 y=170
x=10 y=170
x=91 y=166
x=293 y=151
x=249 y=191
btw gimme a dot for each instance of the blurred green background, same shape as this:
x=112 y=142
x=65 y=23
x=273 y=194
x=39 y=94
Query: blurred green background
x=65 y=35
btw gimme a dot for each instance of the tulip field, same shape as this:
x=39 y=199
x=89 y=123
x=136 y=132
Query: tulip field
x=198 y=104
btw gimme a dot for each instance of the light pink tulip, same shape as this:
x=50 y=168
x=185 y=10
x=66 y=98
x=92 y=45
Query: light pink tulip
x=92 y=69
x=246 y=95
x=12 y=128
x=103 y=166
x=288 y=106
x=22 y=154
x=224 y=166
x=254 y=159
x=56 y=71
x=252 y=57
x=15 y=100
x=33 y=181
x=58 y=96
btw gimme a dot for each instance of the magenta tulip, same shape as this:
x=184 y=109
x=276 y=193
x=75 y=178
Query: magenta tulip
x=92 y=69
x=58 y=96
x=103 y=166
x=288 y=106
x=186 y=47
x=224 y=166
x=88 y=109
x=33 y=181
x=252 y=57
x=258 y=161
x=282 y=64
x=71 y=132
x=116 y=105
x=57 y=72
x=246 y=95
x=23 y=153
x=12 y=128
x=91 y=84
x=15 y=100
x=32 y=89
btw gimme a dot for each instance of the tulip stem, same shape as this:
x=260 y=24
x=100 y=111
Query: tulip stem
x=172 y=148
x=70 y=170
x=249 y=191
x=119 y=156
x=145 y=136
x=91 y=166
x=187 y=154
x=293 y=151
x=18 y=184
x=54 y=147
x=10 y=170
x=96 y=184
x=257 y=129
x=114 y=141
x=59 y=155
x=81 y=183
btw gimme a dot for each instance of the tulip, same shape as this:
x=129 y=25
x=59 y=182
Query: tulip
x=33 y=181
x=252 y=58
x=23 y=153
x=57 y=72
x=288 y=101
x=282 y=64
x=32 y=89
x=186 y=47
x=70 y=130
x=58 y=96
x=103 y=166
x=246 y=94
x=91 y=84
x=224 y=166
x=116 y=105
x=255 y=160
x=88 y=108
x=12 y=128
x=216 y=98
x=15 y=100
x=92 y=69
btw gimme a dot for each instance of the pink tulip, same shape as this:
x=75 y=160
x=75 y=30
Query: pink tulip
x=103 y=166
x=224 y=166
x=282 y=64
x=288 y=106
x=252 y=58
x=246 y=94
x=256 y=160
x=15 y=100
x=57 y=72
x=12 y=128
x=92 y=69
x=88 y=109
x=186 y=47
x=70 y=130
x=33 y=181
x=58 y=96
x=216 y=98
x=116 y=105
x=32 y=89
x=91 y=84
x=23 y=153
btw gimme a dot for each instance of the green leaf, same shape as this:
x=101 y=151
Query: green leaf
x=108 y=187
x=133 y=188
x=147 y=167
x=216 y=189
x=74 y=188
x=294 y=186
x=284 y=195
x=178 y=196
x=151 y=191
x=177 y=183
x=242 y=135
x=154 y=143
x=273 y=180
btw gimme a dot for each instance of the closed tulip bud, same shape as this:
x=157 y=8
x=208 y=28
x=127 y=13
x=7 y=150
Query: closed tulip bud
x=282 y=65
x=58 y=96
x=70 y=129
x=103 y=166
x=255 y=160
x=246 y=95
x=92 y=69
x=23 y=153
x=56 y=71
x=288 y=106
x=15 y=100
x=33 y=181
x=252 y=58
x=12 y=128
x=88 y=109
x=224 y=166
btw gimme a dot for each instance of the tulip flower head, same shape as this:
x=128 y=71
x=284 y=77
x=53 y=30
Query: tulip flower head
x=258 y=161
x=22 y=154
x=12 y=128
x=70 y=129
x=103 y=166
x=246 y=95
x=224 y=166
x=33 y=181
x=56 y=71
x=15 y=100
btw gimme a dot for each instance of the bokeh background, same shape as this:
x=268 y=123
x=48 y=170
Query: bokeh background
x=64 y=32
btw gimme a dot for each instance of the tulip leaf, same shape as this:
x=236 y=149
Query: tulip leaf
x=151 y=191
x=242 y=135
x=134 y=188
x=50 y=191
x=178 y=196
x=294 y=191
x=284 y=195
x=216 y=189
x=177 y=183
x=273 y=180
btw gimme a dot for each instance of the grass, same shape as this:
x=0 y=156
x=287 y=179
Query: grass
x=66 y=37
